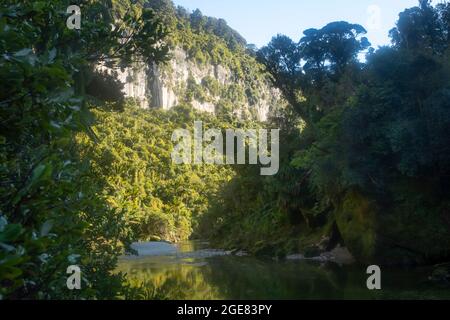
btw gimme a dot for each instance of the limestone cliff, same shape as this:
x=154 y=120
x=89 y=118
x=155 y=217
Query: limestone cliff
x=206 y=86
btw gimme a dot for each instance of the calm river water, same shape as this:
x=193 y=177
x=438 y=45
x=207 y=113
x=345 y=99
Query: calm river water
x=191 y=270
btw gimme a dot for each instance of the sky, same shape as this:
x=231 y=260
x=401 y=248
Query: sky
x=259 y=20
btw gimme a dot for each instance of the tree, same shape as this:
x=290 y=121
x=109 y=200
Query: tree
x=373 y=156
x=321 y=67
x=422 y=28
x=282 y=59
x=198 y=21
x=333 y=47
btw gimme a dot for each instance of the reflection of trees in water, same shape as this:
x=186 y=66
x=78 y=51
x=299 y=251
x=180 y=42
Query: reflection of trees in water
x=181 y=281
x=229 y=277
x=247 y=278
x=250 y=278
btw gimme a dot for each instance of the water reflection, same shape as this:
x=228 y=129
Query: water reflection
x=192 y=271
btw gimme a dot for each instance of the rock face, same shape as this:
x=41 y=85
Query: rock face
x=183 y=80
x=135 y=82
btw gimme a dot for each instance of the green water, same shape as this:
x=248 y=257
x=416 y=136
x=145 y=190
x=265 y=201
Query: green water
x=192 y=271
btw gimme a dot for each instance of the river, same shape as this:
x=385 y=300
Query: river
x=192 y=270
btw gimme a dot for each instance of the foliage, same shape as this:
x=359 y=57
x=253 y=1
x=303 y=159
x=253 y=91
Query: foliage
x=333 y=47
x=318 y=72
x=160 y=200
x=364 y=147
x=104 y=86
x=52 y=214
x=370 y=168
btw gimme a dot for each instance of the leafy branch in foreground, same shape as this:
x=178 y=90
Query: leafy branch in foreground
x=52 y=211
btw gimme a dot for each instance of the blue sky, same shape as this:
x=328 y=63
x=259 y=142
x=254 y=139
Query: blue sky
x=259 y=20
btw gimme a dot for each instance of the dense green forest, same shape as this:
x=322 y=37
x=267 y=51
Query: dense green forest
x=369 y=170
x=84 y=172
x=159 y=200
x=52 y=213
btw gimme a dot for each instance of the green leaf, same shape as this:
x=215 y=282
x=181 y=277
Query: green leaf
x=23 y=53
x=40 y=173
x=52 y=55
x=10 y=233
x=7 y=247
x=46 y=227
x=10 y=273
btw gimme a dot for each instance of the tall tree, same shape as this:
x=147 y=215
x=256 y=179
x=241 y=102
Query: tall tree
x=333 y=47
x=314 y=67
x=421 y=28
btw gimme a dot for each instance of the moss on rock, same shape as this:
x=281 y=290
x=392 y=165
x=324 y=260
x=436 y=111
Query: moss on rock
x=356 y=221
